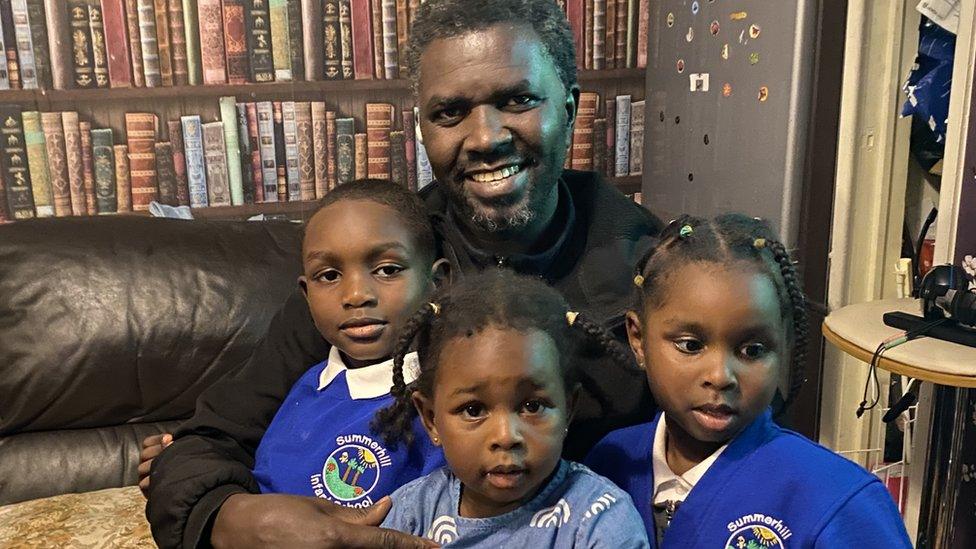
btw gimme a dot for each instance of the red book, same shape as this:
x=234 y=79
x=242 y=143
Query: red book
x=235 y=44
x=177 y=47
x=410 y=148
x=610 y=37
x=175 y=128
x=162 y=42
x=587 y=35
x=376 y=11
x=610 y=114
x=88 y=167
x=583 y=131
x=140 y=133
x=362 y=40
x=402 y=31
x=574 y=12
x=135 y=47
x=379 y=123
x=76 y=173
x=117 y=43
x=254 y=140
x=211 y=42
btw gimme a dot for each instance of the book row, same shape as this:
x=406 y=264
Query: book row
x=609 y=34
x=609 y=141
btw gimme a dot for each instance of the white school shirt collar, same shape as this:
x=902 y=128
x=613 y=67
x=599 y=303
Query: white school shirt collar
x=369 y=381
x=667 y=485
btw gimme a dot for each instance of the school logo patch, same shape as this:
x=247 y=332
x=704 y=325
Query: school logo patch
x=757 y=531
x=352 y=471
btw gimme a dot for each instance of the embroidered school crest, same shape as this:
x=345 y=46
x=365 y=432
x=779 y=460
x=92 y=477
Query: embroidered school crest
x=757 y=531
x=351 y=471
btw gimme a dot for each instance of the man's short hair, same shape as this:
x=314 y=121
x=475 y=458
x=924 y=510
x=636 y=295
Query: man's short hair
x=438 y=19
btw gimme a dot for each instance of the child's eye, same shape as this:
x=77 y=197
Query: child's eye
x=689 y=345
x=328 y=275
x=533 y=406
x=389 y=271
x=472 y=411
x=754 y=351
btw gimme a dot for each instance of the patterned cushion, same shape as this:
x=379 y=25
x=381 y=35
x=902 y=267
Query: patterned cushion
x=114 y=518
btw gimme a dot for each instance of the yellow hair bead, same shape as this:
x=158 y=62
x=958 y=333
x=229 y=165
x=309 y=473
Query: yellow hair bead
x=759 y=243
x=435 y=307
x=639 y=281
x=686 y=231
x=571 y=317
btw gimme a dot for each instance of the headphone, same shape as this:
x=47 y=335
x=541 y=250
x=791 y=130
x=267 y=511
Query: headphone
x=945 y=294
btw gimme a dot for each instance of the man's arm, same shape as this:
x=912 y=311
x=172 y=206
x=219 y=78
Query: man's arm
x=212 y=454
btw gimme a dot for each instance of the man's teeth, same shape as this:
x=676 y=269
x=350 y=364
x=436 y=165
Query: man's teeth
x=495 y=175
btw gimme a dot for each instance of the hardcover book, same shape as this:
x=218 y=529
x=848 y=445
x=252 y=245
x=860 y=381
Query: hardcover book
x=587 y=34
x=331 y=41
x=313 y=39
x=296 y=39
x=99 y=53
x=290 y=131
x=254 y=142
x=362 y=40
x=643 y=20
x=622 y=138
x=166 y=173
x=281 y=157
x=636 y=137
x=191 y=27
x=574 y=12
x=379 y=123
x=244 y=154
x=610 y=113
x=620 y=38
x=59 y=43
x=269 y=160
x=135 y=46
x=211 y=22
x=177 y=45
x=610 y=35
x=360 y=156
x=600 y=145
x=391 y=65
x=401 y=32
x=13 y=160
x=218 y=185
x=123 y=188
x=24 y=43
x=345 y=39
x=630 y=35
x=150 y=65
x=106 y=192
x=410 y=148
x=175 y=130
x=4 y=85
x=140 y=132
x=10 y=45
x=599 y=34
x=88 y=166
x=81 y=48
x=258 y=29
x=57 y=162
x=196 y=170
x=424 y=173
x=280 y=41
x=345 y=150
x=319 y=148
x=235 y=176
x=161 y=11
x=398 y=158
x=582 y=152
x=331 y=147
x=235 y=42
x=376 y=24
x=37 y=22
x=76 y=171
x=117 y=46
x=37 y=164
x=306 y=158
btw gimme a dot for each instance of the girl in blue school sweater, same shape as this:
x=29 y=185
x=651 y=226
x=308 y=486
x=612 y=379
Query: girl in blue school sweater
x=720 y=325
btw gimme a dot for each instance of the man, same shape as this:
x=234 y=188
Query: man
x=495 y=83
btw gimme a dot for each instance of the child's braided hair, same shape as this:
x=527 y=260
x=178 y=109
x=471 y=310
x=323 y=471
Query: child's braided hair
x=492 y=298
x=726 y=239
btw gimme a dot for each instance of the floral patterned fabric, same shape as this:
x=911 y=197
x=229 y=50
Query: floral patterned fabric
x=113 y=518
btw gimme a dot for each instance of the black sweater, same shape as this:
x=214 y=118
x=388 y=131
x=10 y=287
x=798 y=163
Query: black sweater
x=590 y=262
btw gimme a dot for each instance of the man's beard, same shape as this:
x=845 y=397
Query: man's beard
x=500 y=215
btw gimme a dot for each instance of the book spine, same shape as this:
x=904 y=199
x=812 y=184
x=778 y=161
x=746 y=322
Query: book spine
x=150 y=62
x=177 y=44
x=57 y=162
x=379 y=123
x=218 y=185
x=331 y=148
x=10 y=45
x=587 y=34
x=37 y=22
x=312 y=39
x=196 y=174
x=244 y=154
x=620 y=37
x=583 y=132
x=319 y=148
x=296 y=39
x=280 y=41
x=211 y=19
x=574 y=12
x=331 y=41
x=175 y=130
x=281 y=156
x=290 y=132
x=269 y=161
x=398 y=158
x=643 y=20
x=609 y=35
x=235 y=42
x=72 y=150
x=254 y=139
x=135 y=45
x=106 y=197
x=610 y=113
x=140 y=132
x=123 y=186
x=413 y=7
x=401 y=32
x=599 y=34
x=166 y=173
x=37 y=164
x=16 y=172
x=25 y=44
x=161 y=12
x=345 y=39
x=99 y=52
x=630 y=37
x=410 y=148
x=360 y=156
x=88 y=166
x=235 y=176
x=4 y=85
x=376 y=25
x=391 y=65
x=600 y=145
x=259 y=41
x=117 y=45
x=345 y=150
x=622 y=139
x=424 y=173
x=636 y=137
x=194 y=57
x=81 y=48
x=362 y=40
x=306 y=158
x=59 y=43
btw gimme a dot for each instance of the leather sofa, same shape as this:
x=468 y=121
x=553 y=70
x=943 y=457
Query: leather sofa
x=110 y=328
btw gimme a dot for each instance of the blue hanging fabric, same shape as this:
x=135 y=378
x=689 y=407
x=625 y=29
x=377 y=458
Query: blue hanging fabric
x=927 y=89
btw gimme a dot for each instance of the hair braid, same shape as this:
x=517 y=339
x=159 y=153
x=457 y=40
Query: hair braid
x=799 y=315
x=607 y=342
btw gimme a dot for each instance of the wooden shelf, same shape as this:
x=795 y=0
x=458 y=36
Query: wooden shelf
x=253 y=91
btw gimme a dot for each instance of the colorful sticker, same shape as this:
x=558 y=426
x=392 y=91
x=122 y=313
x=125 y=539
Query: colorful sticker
x=670 y=19
x=694 y=7
x=754 y=58
x=680 y=65
x=691 y=34
x=738 y=16
x=698 y=82
x=726 y=90
x=725 y=51
x=763 y=94
x=754 y=31
x=714 y=27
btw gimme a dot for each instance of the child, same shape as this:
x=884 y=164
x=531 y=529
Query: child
x=495 y=392
x=720 y=317
x=368 y=263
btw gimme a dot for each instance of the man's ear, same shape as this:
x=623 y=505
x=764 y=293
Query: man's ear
x=425 y=409
x=635 y=337
x=303 y=284
x=572 y=104
x=441 y=274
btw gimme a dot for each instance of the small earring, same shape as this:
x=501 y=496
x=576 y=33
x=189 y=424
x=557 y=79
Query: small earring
x=437 y=440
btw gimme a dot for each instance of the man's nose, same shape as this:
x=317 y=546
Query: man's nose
x=487 y=132
x=357 y=291
x=506 y=431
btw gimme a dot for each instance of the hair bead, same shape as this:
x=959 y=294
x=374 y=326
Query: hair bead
x=639 y=281
x=571 y=317
x=435 y=308
x=759 y=243
x=686 y=231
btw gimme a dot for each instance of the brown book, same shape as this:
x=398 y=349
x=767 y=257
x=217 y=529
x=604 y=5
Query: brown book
x=313 y=39
x=254 y=140
x=81 y=48
x=610 y=35
x=391 y=65
x=398 y=158
x=59 y=43
x=332 y=174
x=57 y=162
x=161 y=10
x=140 y=133
x=175 y=128
x=379 y=123
x=218 y=181
x=376 y=25
x=401 y=31
x=135 y=48
x=587 y=34
x=87 y=166
x=76 y=172
x=410 y=147
x=117 y=43
x=643 y=21
x=610 y=114
x=620 y=39
x=177 y=47
x=319 y=149
x=362 y=40
x=235 y=41
x=599 y=145
x=166 y=173
x=413 y=6
x=306 y=158
x=599 y=34
x=123 y=187
x=361 y=158
x=149 y=43
x=99 y=54
x=583 y=131
x=212 y=41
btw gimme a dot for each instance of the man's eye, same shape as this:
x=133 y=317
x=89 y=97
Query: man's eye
x=521 y=100
x=533 y=406
x=754 y=351
x=330 y=275
x=689 y=346
x=389 y=271
x=446 y=115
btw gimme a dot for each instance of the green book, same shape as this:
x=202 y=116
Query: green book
x=191 y=26
x=37 y=164
x=228 y=117
x=280 y=41
x=106 y=196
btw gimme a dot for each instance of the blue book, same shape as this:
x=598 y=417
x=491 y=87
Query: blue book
x=196 y=169
x=424 y=174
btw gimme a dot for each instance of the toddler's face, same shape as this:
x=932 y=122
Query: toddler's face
x=363 y=277
x=500 y=410
x=712 y=350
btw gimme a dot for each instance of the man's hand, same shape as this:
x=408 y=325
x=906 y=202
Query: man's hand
x=152 y=446
x=278 y=520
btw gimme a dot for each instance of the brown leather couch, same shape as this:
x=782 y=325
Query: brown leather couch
x=110 y=327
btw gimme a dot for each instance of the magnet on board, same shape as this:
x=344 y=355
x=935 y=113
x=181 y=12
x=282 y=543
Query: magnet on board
x=738 y=16
x=763 y=94
x=726 y=90
x=670 y=19
x=691 y=34
x=714 y=27
x=742 y=37
x=754 y=58
x=694 y=7
x=754 y=31
x=725 y=51
x=698 y=82
x=680 y=65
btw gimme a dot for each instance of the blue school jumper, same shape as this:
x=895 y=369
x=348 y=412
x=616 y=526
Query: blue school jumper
x=320 y=443
x=770 y=488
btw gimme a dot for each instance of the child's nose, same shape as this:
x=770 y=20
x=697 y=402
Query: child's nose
x=357 y=292
x=720 y=371
x=506 y=432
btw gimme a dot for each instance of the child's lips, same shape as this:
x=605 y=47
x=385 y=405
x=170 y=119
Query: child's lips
x=364 y=329
x=506 y=477
x=715 y=417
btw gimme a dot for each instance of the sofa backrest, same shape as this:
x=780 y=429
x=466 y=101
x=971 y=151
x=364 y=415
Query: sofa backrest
x=111 y=327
